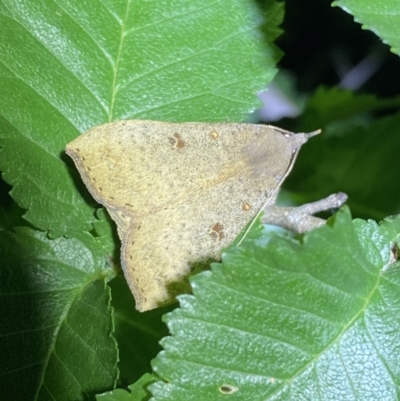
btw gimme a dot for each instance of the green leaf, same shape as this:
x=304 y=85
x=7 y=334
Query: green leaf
x=106 y=234
x=253 y=230
x=138 y=334
x=138 y=391
x=56 y=328
x=68 y=65
x=381 y=17
x=310 y=320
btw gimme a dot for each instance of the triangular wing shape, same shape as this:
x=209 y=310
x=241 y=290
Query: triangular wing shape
x=179 y=193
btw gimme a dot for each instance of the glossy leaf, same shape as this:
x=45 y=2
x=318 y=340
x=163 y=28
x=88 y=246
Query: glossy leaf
x=315 y=319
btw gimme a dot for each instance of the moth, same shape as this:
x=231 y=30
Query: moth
x=180 y=192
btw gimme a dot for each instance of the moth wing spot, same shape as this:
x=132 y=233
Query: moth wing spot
x=176 y=141
x=214 y=135
x=246 y=207
x=217 y=231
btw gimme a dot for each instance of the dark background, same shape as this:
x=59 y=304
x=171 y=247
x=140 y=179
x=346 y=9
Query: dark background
x=318 y=37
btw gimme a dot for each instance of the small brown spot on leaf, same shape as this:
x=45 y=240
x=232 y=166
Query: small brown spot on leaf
x=246 y=207
x=228 y=389
x=176 y=141
x=217 y=231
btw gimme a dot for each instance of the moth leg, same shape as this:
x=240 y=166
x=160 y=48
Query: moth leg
x=299 y=219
